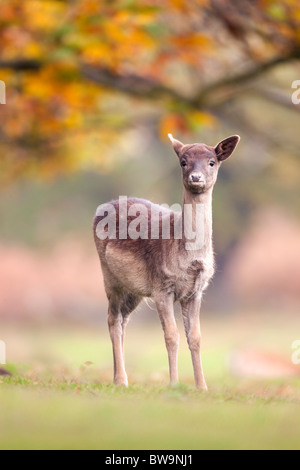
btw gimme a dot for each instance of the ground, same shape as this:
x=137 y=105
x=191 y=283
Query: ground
x=61 y=396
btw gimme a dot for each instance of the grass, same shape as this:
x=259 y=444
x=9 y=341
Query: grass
x=61 y=396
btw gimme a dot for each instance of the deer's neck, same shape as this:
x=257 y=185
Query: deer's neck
x=197 y=215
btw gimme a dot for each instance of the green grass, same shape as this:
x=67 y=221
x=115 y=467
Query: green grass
x=69 y=415
x=56 y=401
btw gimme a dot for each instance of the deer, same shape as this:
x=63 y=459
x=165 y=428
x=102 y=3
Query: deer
x=166 y=269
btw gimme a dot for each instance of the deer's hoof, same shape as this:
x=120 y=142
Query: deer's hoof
x=121 y=382
x=202 y=387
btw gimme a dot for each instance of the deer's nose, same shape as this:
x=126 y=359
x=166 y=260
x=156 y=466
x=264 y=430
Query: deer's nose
x=196 y=177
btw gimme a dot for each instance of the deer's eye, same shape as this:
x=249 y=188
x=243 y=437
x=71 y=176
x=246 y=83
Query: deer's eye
x=212 y=163
x=183 y=163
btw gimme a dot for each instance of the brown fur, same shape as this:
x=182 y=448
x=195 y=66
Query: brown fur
x=163 y=268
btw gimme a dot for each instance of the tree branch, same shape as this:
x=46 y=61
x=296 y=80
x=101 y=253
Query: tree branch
x=209 y=97
x=228 y=85
x=134 y=85
x=223 y=89
x=21 y=64
x=277 y=97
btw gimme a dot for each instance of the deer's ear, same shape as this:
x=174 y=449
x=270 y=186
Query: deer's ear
x=177 y=145
x=225 y=148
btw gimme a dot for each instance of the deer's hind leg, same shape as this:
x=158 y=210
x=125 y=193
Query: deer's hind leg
x=120 y=307
x=128 y=305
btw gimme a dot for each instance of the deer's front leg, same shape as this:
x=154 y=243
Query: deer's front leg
x=165 y=308
x=191 y=318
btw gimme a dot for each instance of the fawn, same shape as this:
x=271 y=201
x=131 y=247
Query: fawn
x=176 y=267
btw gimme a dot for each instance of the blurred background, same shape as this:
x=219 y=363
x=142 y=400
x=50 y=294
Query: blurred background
x=92 y=90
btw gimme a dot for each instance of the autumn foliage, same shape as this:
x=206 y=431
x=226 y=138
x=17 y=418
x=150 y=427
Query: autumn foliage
x=82 y=71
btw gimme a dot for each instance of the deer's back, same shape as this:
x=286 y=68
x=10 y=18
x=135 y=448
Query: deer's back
x=144 y=265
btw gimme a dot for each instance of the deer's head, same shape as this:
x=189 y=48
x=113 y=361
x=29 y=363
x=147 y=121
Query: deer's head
x=200 y=163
